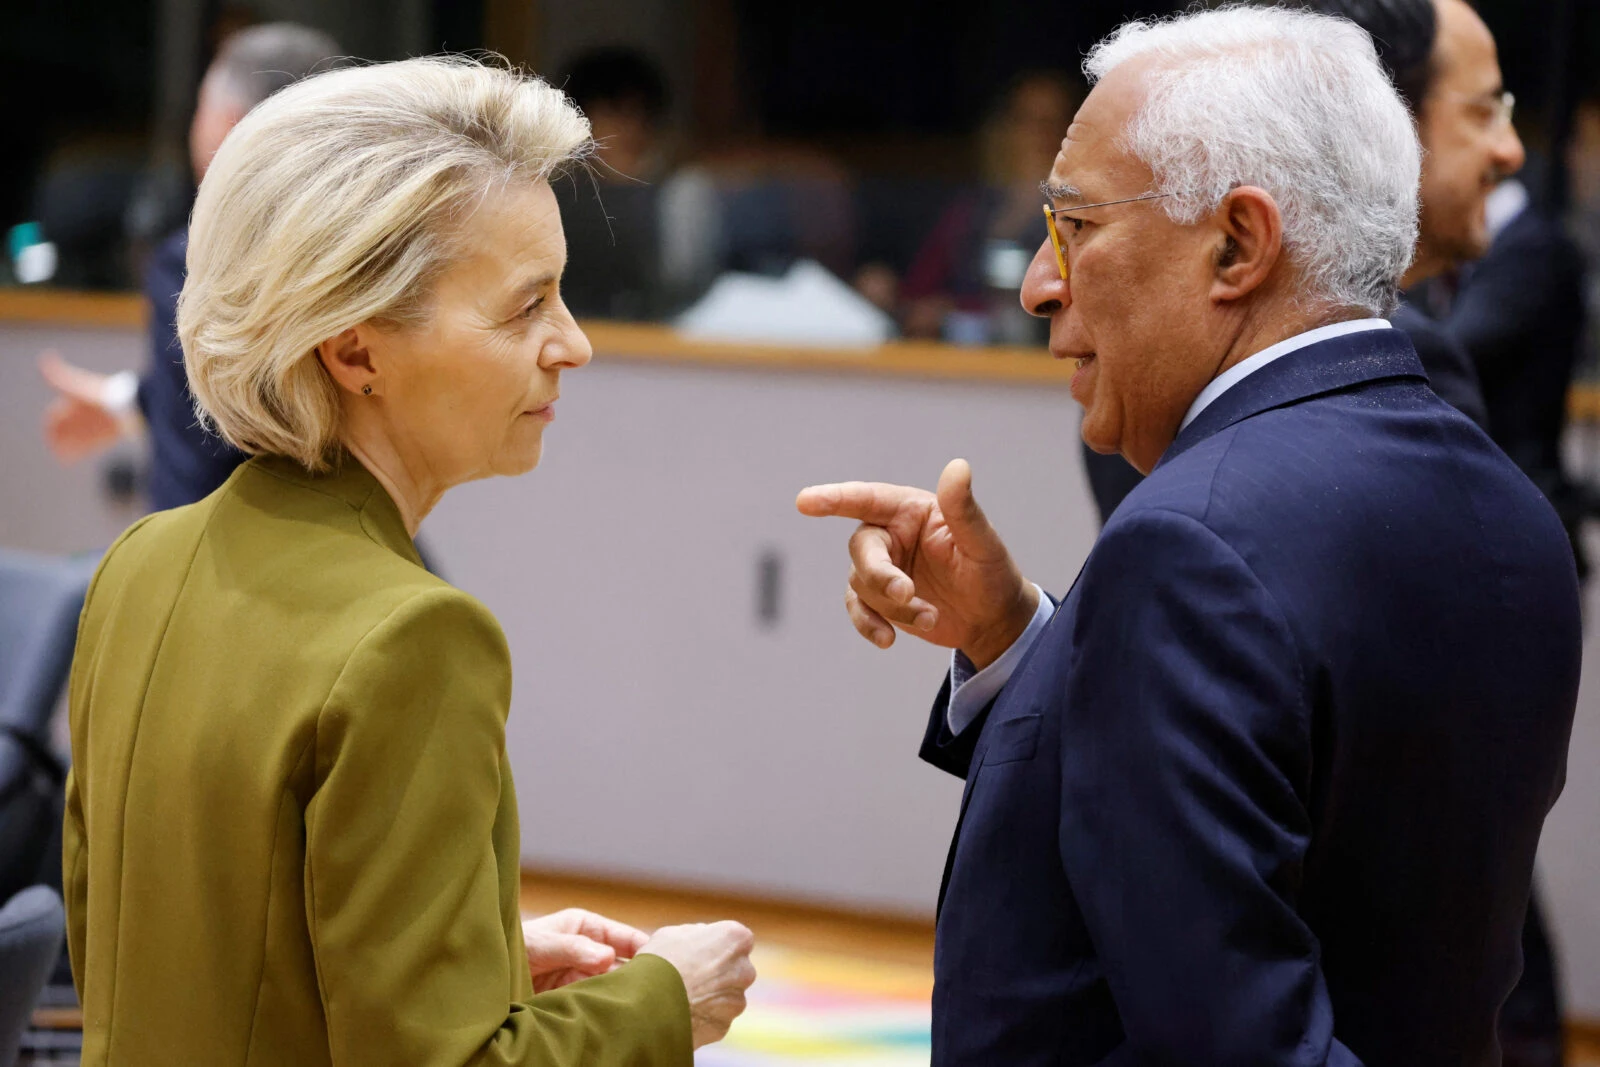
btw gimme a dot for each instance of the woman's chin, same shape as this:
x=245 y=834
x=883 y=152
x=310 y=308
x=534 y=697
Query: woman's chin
x=519 y=459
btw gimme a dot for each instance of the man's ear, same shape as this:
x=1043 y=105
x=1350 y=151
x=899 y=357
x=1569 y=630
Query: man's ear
x=348 y=359
x=1250 y=245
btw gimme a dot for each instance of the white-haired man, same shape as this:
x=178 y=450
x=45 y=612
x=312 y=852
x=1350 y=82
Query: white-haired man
x=1266 y=787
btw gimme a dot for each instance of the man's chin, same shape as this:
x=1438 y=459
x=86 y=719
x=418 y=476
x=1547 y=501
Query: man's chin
x=1107 y=444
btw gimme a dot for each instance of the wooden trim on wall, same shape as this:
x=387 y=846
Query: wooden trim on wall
x=645 y=343
x=1583 y=1041
x=63 y=308
x=639 y=343
x=917 y=359
x=704 y=898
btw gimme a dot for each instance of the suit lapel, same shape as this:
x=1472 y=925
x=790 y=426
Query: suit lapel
x=976 y=766
x=1325 y=367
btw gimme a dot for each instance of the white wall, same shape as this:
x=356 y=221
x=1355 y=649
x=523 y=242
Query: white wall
x=699 y=744
x=657 y=729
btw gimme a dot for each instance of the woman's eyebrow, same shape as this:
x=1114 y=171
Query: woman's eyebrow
x=528 y=288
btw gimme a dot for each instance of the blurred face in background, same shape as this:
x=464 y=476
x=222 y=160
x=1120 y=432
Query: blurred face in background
x=625 y=135
x=215 y=113
x=1037 y=114
x=1468 y=145
x=1583 y=157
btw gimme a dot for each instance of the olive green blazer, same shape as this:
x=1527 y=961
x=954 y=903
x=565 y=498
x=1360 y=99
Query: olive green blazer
x=291 y=835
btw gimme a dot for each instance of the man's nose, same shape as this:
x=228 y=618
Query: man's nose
x=1509 y=155
x=1044 y=290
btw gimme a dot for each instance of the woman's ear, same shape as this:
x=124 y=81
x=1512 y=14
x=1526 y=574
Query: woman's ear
x=1251 y=245
x=347 y=357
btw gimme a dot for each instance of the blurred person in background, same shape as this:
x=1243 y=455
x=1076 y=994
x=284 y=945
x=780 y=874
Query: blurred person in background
x=1267 y=786
x=91 y=411
x=292 y=835
x=962 y=283
x=1520 y=313
x=612 y=213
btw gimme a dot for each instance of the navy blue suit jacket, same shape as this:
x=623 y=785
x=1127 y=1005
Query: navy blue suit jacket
x=1267 y=789
x=186 y=462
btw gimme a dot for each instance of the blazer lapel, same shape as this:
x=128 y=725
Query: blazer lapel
x=1325 y=367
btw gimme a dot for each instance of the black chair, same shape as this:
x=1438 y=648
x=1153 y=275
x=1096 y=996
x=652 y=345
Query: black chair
x=40 y=599
x=31 y=927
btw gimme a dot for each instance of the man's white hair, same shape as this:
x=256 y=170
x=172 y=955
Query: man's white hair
x=1296 y=104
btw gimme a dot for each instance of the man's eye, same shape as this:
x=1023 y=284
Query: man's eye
x=527 y=312
x=1076 y=224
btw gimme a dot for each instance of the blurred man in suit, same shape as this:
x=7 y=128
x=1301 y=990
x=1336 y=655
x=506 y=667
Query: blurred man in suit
x=1443 y=61
x=1520 y=314
x=1266 y=787
x=91 y=411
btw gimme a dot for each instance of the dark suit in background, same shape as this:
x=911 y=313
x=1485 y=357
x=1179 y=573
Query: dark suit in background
x=187 y=463
x=1268 y=787
x=1520 y=315
x=1446 y=362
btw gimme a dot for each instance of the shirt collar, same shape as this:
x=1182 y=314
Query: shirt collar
x=1248 y=366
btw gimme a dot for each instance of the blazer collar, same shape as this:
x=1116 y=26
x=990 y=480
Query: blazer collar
x=354 y=485
x=1324 y=367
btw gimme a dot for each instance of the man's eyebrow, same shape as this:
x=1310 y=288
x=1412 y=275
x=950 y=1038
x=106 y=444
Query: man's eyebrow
x=1060 y=191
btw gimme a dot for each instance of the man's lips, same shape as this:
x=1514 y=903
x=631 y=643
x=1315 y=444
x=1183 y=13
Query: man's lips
x=544 y=411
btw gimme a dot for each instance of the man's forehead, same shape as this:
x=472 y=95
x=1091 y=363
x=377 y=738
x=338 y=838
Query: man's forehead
x=1464 y=52
x=1092 y=147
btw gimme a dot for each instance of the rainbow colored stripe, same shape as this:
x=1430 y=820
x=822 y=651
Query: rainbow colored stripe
x=818 y=1008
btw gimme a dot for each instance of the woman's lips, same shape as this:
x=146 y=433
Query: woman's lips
x=547 y=413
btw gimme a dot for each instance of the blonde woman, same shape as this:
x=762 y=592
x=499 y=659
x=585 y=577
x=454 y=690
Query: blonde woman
x=291 y=832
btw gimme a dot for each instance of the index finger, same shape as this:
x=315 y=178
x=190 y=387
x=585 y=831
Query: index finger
x=872 y=502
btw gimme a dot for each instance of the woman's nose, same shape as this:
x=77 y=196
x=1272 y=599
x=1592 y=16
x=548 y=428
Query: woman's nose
x=571 y=348
x=1044 y=290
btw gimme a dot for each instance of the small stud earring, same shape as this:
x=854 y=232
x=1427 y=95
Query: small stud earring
x=366 y=390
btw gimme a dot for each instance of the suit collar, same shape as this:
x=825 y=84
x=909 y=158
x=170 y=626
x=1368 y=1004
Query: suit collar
x=352 y=484
x=1324 y=367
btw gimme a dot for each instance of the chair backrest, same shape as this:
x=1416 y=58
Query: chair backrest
x=40 y=599
x=31 y=928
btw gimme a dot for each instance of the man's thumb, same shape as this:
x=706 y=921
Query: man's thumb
x=968 y=524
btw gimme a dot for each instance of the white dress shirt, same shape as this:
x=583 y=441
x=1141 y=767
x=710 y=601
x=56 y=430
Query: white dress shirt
x=971 y=689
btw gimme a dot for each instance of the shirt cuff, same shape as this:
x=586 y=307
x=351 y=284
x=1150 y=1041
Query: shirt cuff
x=972 y=689
x=120 y=392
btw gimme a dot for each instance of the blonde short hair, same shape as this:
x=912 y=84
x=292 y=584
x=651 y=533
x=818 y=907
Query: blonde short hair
x=339 y=201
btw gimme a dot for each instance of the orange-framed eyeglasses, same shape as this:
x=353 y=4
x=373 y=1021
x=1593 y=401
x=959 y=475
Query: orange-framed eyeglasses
x=1050 y=214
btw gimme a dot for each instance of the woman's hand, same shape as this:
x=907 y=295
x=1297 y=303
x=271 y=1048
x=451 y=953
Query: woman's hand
x=714 y=961
x=576 y=944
